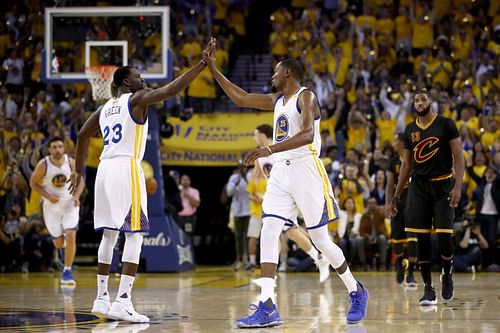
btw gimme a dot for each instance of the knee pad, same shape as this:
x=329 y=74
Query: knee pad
x=327 y=247
x=108 y=241
x=445 y=245
x=424 y=247
x=269 y=239
x=132 y=247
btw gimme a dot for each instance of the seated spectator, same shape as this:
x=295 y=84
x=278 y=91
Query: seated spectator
x=470 y=242
x=372 y=235
x=347 y=228
x=38 y=246
x=10 y=242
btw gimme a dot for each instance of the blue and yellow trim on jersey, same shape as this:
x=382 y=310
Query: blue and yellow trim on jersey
x=135 y=214
x=331 y=210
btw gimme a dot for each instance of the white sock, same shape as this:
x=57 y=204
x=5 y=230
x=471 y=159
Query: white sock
x=267 y=291
x=349 y=281
x=102 y=286
x=313 y=253
x=252 y=258
x=67 y=268
x=125 y=289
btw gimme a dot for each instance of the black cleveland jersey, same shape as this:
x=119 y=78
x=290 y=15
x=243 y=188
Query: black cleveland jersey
x=395 y=167
x=430 y=146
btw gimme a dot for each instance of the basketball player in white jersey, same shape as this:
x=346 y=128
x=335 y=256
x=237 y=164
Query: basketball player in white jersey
x=298 y=180
x=263 y=135
x=60 y=208
x=120 y=189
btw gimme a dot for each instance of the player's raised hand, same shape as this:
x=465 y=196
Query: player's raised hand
x=74 y=181
x=211 y=54
x=255 y=154
x=209 y=50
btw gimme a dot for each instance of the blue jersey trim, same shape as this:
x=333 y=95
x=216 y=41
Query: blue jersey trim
x=132 y=115
x=298 y=107
x=288 y=222
x=115 y=229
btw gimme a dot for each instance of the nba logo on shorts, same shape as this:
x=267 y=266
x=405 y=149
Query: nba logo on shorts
x=282 y=125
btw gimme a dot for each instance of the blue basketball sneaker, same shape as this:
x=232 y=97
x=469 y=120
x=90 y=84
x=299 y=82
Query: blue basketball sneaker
x=359 y=305
x=67 y=277
x=264 y=316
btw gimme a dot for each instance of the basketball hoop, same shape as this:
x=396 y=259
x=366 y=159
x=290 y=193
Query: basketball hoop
x=100 y=78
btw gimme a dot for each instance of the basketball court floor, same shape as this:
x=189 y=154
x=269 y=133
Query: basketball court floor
x=210 y=299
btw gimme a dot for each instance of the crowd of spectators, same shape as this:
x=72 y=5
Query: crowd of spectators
x=362 y=58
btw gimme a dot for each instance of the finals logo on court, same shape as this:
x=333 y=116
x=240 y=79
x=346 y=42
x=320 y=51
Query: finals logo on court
x=59 y=180
x=282 y=128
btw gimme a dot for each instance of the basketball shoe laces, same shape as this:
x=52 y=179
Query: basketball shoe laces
x=261 y=312
x=356 y=301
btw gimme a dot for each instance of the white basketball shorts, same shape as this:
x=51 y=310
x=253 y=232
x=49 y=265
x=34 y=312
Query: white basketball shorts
x=300 y=183
x=120 y=196
x=60 y=216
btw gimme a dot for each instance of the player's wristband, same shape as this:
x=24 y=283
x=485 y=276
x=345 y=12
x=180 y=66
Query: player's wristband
x=270 y=151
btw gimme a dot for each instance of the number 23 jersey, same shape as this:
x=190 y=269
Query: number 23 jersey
x=123 y=136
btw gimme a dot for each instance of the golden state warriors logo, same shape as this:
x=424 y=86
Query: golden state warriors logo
x=282 y=127
x=426 y=144
x=59 y=180
x=266 y=168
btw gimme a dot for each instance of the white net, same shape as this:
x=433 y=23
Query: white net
x=100 y=78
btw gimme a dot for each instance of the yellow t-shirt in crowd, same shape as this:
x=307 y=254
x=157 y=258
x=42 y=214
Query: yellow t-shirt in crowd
x=221 y=7
x=403 y=27
x=221 y=59
x=385 y=26
x=349 y=189
x=328 y=124
x=342 y=71
x=192 y=51
x=256 y=187
x=461 y=48
x=347 y=47
x=387 y=131
x=279 y=43
x=356 y=136
x=472 y=123
x=423 y=35
x=366 y=21
x=489 y=138
x=96 y=145
x=203 y=86
x=441 y=76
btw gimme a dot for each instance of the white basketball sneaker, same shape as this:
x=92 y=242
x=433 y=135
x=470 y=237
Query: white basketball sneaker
x=101 y=307
x=125 y=311
x=324 y=269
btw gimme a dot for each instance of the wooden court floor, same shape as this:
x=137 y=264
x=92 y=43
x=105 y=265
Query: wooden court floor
x=211 y=298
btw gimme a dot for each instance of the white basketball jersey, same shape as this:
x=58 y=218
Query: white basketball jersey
x=122 y=135
x=287 y=123
x=55 y=179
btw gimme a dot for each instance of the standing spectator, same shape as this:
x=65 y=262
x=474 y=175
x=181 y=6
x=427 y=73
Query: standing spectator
x=379 y=191
x=372 y=234
x=190 y=203
x=240 y=207
x=14 y=66
x=256 y=189
x=487 y=206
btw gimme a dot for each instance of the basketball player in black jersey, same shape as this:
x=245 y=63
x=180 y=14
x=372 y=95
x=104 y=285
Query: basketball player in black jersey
x=399 y=237
x=433 y=153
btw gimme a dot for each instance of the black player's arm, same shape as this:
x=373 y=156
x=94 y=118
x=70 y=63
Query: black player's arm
x=239 y=96
x=145 y=97
x=89 y=129
x=309 y=110
x=458 y=161
x=404 y=173
x=389 y=185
